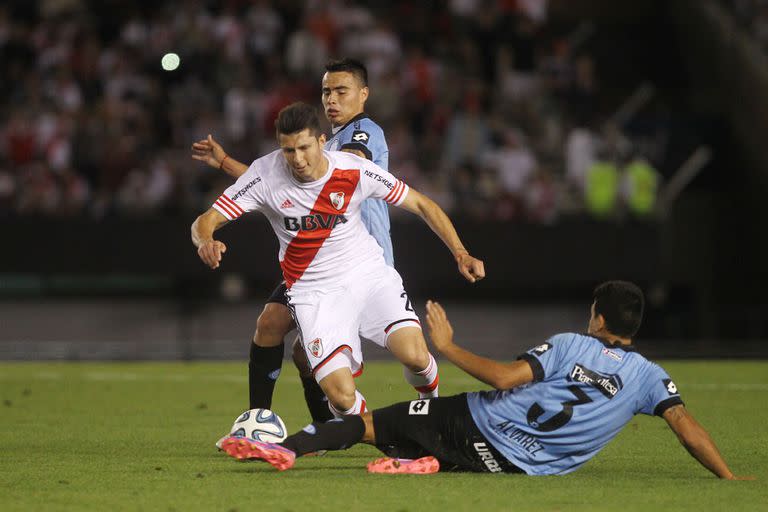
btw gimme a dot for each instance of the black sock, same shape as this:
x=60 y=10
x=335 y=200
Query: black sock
x=317 y=403
x=338 y=434
x=263 y=370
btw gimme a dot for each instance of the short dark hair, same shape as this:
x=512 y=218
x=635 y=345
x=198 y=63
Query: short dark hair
x=353 y=66
x=297 y=117
x=621 y=303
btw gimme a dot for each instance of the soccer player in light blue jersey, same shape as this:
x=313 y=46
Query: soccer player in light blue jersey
x=344 y=93
x=552 y=409
x=359 y=135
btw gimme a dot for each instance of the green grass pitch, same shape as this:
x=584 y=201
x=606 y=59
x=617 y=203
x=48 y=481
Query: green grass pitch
x=139 y=436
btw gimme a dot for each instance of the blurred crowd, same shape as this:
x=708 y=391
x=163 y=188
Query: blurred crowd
x=486 y=106
x=753 y=16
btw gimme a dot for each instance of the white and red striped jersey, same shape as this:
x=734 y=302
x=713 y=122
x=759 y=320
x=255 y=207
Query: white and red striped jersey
x=321 y=233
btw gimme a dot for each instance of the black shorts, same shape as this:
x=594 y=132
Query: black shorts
x=442 y=427
x=278 y=295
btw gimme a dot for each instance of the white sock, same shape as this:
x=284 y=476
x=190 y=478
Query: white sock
x=358 y=407
x=426 y=381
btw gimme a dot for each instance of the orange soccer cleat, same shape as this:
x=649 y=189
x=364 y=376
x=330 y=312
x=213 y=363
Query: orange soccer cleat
x=243 y=448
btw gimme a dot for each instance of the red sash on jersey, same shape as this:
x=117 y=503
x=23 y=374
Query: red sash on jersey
x=306 y=244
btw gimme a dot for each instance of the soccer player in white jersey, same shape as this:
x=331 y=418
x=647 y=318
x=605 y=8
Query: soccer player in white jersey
x=344 y=93
x=552 y=409
x=338 y=285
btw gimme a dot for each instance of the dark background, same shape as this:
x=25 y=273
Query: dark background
x=700 y=261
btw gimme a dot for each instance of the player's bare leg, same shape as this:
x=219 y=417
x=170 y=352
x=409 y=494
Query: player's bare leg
x=266 y=355
x=343 y=397
x=410 y=348
x=317 y=403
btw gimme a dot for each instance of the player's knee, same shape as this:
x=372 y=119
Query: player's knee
x=341 y=400
x=409 y=347
x=415 y=357
x=341 y=395
x=272 y=325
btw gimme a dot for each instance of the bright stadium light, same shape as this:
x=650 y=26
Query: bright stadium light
x=170 y=61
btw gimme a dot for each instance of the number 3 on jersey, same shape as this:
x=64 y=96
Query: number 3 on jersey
x=562 y=417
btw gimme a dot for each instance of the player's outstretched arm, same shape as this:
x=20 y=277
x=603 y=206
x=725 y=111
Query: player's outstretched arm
x=209 y=151
x=494 y=373
x=698 y=443
x=471 y=268
x=208 y=249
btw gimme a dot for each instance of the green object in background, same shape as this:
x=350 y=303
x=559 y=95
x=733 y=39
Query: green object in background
x=602 y=189
x=140 y=436
x=642 y=187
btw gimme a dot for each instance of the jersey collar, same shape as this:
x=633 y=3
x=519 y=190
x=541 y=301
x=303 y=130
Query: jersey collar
x=607 y=344
x=361 y=115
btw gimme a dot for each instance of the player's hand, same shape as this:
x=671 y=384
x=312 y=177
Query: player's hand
x=440 y=330
x=470 y=267
x=208 y=151
x=210 y=253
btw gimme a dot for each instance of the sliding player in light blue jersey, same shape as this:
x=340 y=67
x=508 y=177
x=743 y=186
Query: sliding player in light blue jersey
x=584 y=390
x=552 y=410
x=344 y=93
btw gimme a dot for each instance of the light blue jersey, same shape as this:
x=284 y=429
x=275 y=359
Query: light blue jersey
x=583 y=393
x=362 y=134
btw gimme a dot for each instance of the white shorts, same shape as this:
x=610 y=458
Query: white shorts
x=331 y=321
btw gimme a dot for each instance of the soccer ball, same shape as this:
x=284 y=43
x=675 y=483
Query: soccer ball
x=261 y=425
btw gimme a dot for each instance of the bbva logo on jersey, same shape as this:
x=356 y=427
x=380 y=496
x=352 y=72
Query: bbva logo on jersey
x=313 y=221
